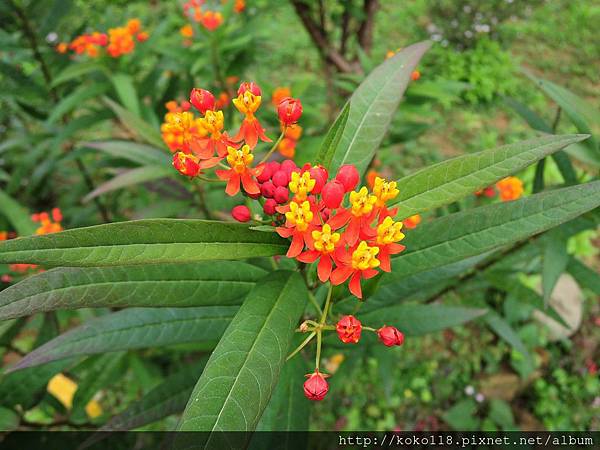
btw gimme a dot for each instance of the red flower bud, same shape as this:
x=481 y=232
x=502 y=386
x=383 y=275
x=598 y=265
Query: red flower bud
x=333 y=194
x=348 y=176
x=316 y=387
x=415 y=75
x=288 y=166
x=282 y=195
x=57 y=215
x=390 y=336
x=241 y=213
x=266 y=174
x=186 y=164
x=185 y=105
x=249 y=86
x=289 y=110
x=267 y=189
x=320 y=175
x=281 y=178
x=269 y=206
x=348 y=329
x=325 y=214
x=275 y=166
x=202 y=100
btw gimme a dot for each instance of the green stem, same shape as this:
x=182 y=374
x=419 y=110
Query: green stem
x=301 y=346
x=314 y=302
x=270 y=152
x=322 y=323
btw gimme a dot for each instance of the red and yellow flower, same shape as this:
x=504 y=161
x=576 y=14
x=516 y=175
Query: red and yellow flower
x=181 y=129
x=248 y=102
x=510 y=188
x=325 y=242
x=240 y=161
x=358 y=262
x=299 y=225
x=388 y=234
x=216 y=141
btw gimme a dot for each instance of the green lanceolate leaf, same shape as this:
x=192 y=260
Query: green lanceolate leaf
x=150 y=241
x=415 y=320
x=554 y=261
x=216 y=283
x=332 y=139
x=132 y=329
x=586 y=277
x=123 y=84
x=136 y=124
x=453 y=179
x=132 y=151
x=76 y=99
x=243 y=370
x=17 y=215
x=131 y=177
x=469 y=233
x=503 y=329
x=372 y=107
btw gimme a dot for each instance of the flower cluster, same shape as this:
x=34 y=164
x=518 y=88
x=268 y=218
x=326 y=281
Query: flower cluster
x=209 y=19
x=349 y=330
x=292 y=133
x=118 y=42
x=358 y=238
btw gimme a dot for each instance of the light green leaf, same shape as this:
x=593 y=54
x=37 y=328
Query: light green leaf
x=126 y=92
x=133 y=151
x=131 y=177
x=455 y=178
x=503 y=329
x=9 y=420
x=332 y=138
x=136 y=124
x=134 y=328
x=469 y=233
x=554 y=261
x=77 y=70
x=415 y=319
x=150 y=241
x=586 y=277
x=16 y=214
x=215 y=283
x=372 y=107
x=75 y=99
x=243 y=370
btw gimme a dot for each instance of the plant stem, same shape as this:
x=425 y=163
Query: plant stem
x=322 y=323
x=270 y=152
x=202 y=196
x=314 y=302
x=302 y=345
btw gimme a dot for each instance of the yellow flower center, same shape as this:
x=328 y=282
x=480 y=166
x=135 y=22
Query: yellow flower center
x=389 y=232
x=384 y=190
x=213 y=122
x=300 y=215
x=362 y=203
x=325 y=240
x=247 y=103
x=301 y=185
x=365 y=257
x=183 y=124
x=239 y=159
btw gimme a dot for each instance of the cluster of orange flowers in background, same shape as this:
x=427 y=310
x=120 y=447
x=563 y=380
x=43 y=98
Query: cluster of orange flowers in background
x=48 y=223
x=509 y=188
x=210 y=19
x=118 y=42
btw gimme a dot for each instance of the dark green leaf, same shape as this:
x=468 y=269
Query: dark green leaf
x=136 y=124
x=17 y=215
x=150 y=241
x=138 y=153
x=586 y=277
x=503 y=329
x=554 y=261
x=332 y=138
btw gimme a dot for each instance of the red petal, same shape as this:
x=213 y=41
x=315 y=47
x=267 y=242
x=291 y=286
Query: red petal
x=341 y=274
x=250 y=185
x=250 y=135
x=211 y=162
x=261 y=132
x=309 y=256
x=369 y=273
x=354 y=285
x=340 y=219
x=202 y=148
x=324 y=268
x=394 y=249
x=233 y=185
x=384 y=258
x=352 y=231
x=296 y=247
x=284 y=232
x=224 y=174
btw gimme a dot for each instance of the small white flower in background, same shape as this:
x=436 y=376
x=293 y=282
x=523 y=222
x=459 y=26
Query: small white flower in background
x=51 y=37
x=479 y=397
x=469 y=390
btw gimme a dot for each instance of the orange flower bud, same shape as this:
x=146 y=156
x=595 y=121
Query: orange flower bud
x=249 y=86
x=316 y=387
x=289 y=110
x=202 y=100
x=390 y=336
x=348 y=329
x=186 y=164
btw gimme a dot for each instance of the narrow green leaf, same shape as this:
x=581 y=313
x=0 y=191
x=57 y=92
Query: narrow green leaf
x=455 y=178
x=372 y=107
x=134 y=328
x=126 y=92
x=215 y=283
x=136 y=124
x=554 y=261
x=133 y=151
x=149 y=241
x=77 y=70
x=415 y=320
x=131 y=177
x=16 y=214
x=586 y=277
x=332 y=138
x=9 y=420
x=503 y=329
x=243 y=370
x=469 y=233
x=75 y=99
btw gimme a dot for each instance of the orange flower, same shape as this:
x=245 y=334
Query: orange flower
x=388 y=233
x=62 y=47
x=222 y=100
x=3 y=235
x=356 y=263
x=142 y=37
x=48 y=225
x=240 y=160
x=510 y=188
x=186 y=31
x=287 y=148
x=211 y=20
x=218 y=141
x=371 y=176
x=251 y=130
x=412 y=221
x=180 y=129
x=134 y=26
x=279 y=94
x=120 y=42
x=299 y=225
x=359 y=216
x=239 y=6
x=293 y=131
x=325 y=243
